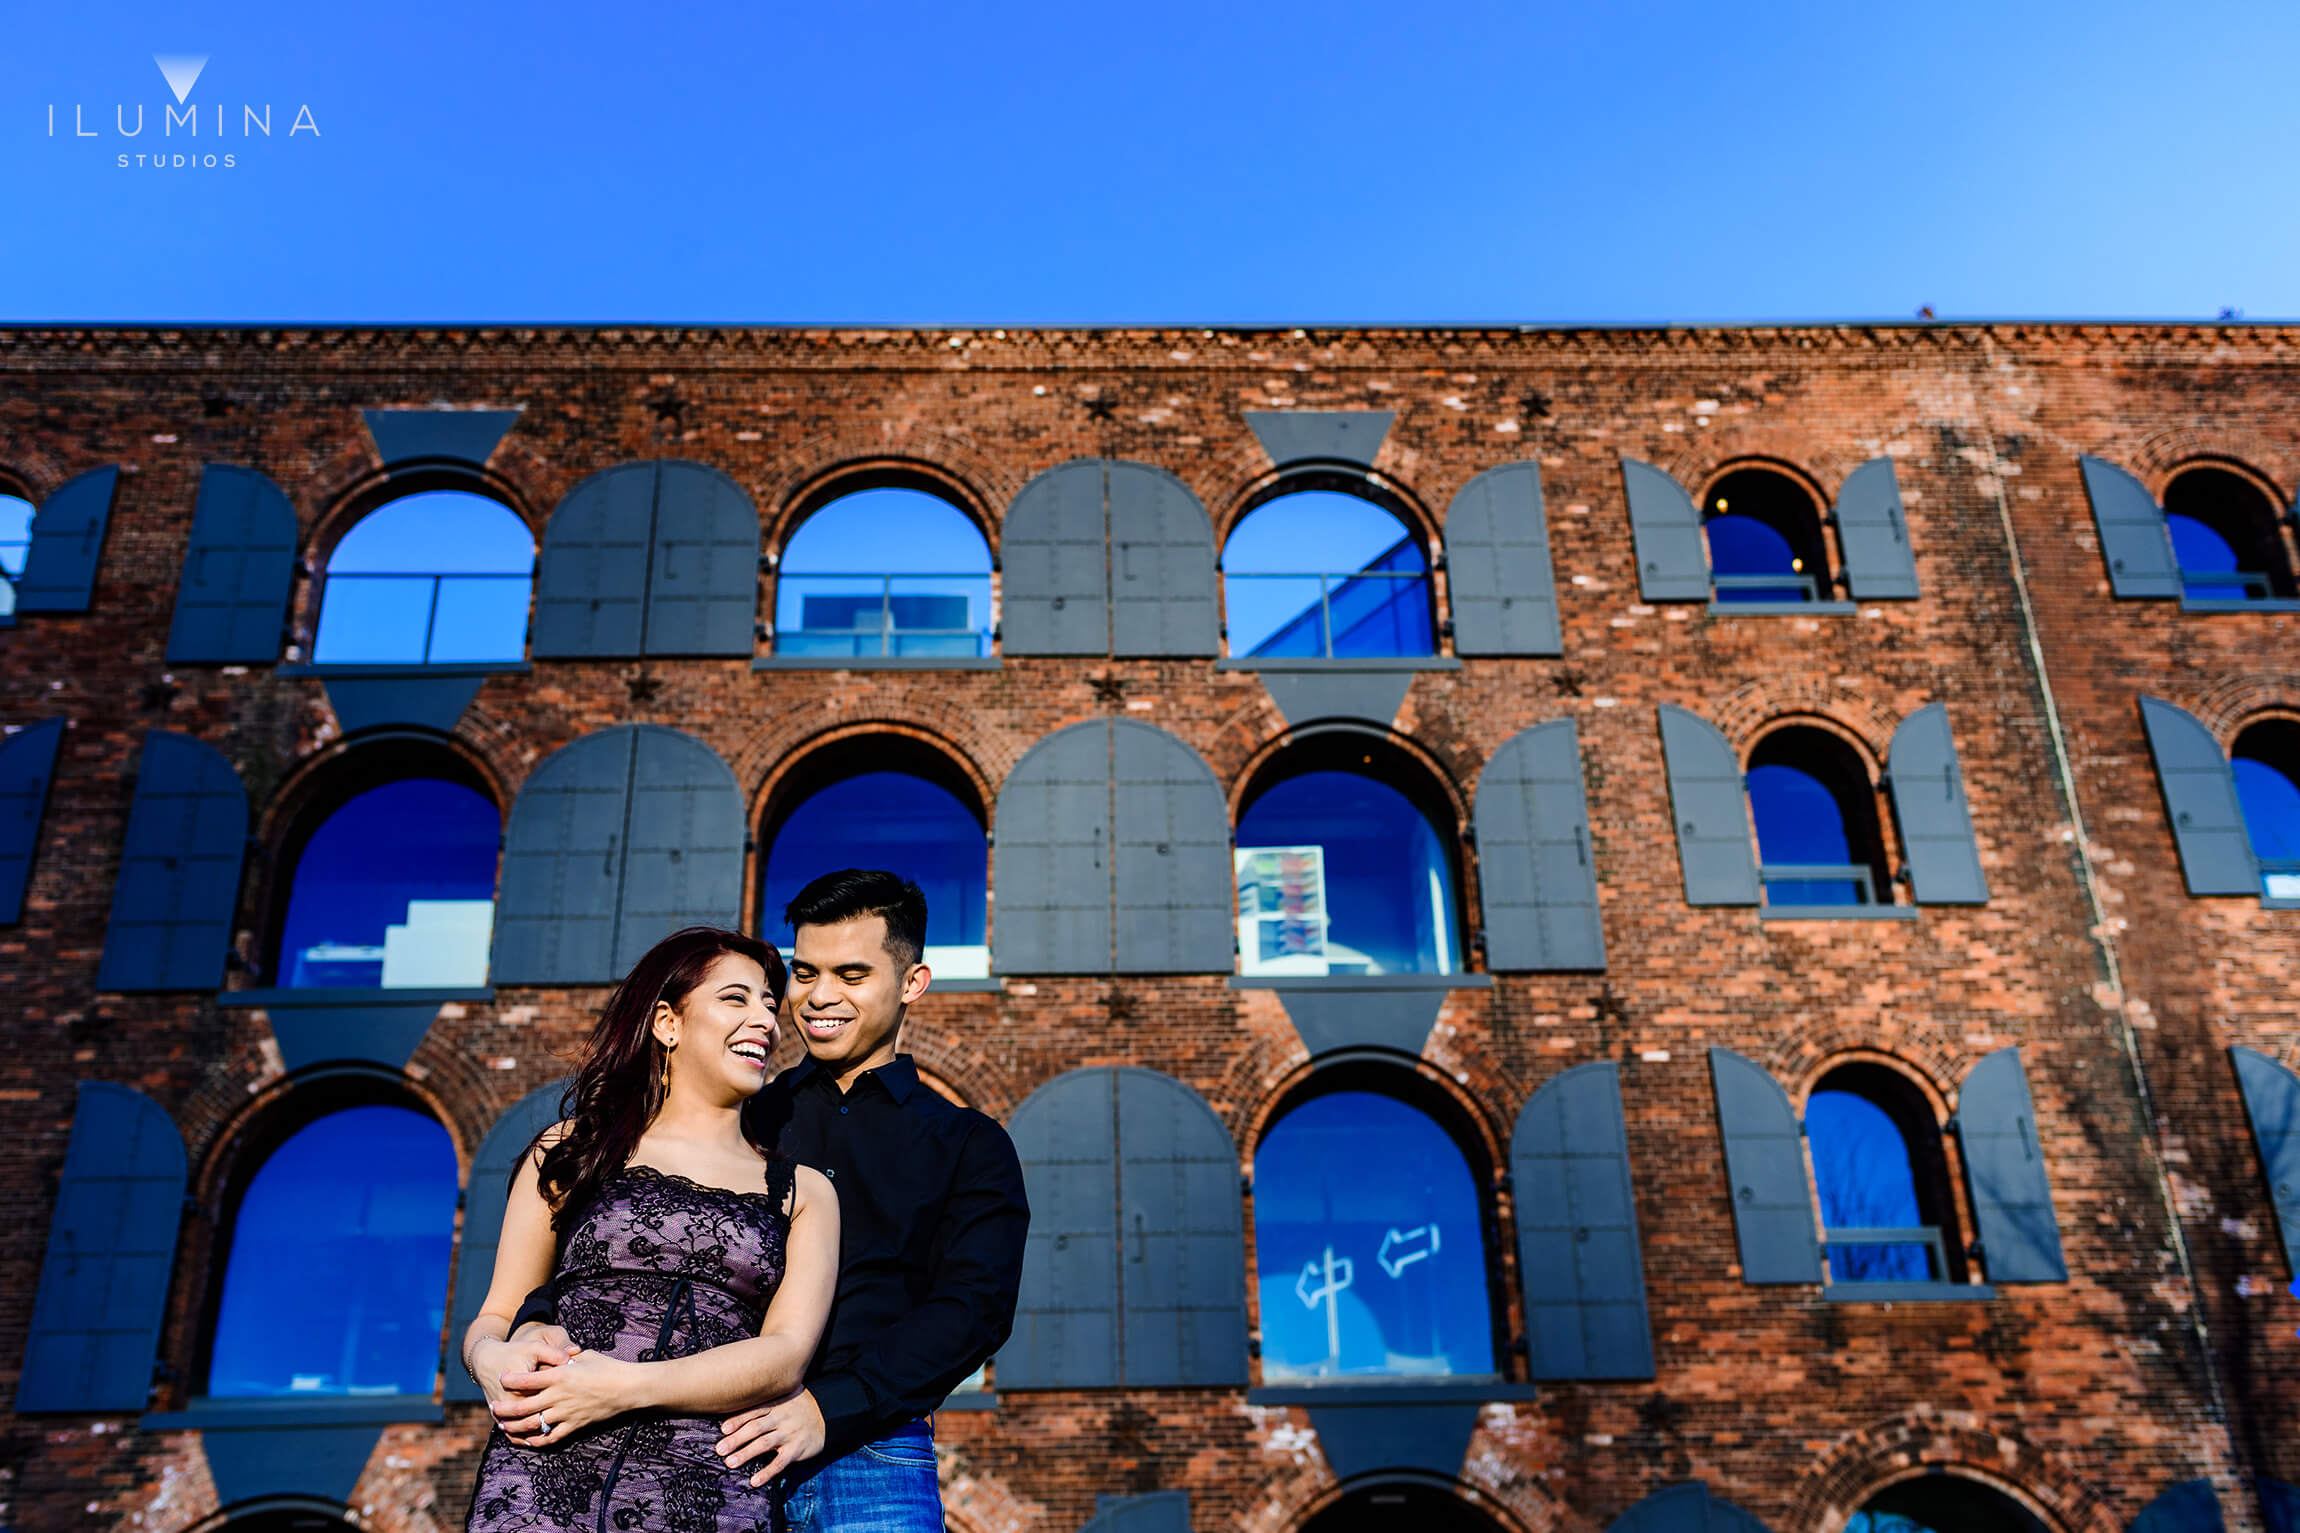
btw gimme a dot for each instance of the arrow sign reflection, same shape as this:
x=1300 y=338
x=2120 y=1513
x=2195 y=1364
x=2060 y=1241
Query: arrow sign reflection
x=1402 y=1248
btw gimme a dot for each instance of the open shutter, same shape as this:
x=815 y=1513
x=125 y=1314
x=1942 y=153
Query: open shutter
x=1665 y=527
x=1163 y=583
x=179 y=870
x=1534 y=863
x=1936 y=822
x=1050 y=857
x=2004 y=1171
x=1873 y=531
x=2272 y=1101
x=67 y=540
x=2189 y=1507
x=2133 y=537
x=231 y=604
x=1171 y=857
x=104 y=1282
x=1765 y=1169
x=1066 y=1319
x=1182 y=1236
x=563 y=865
x=1053 y=554
x=1577 y=1230
x=591 y=577
x=484 y=1198
x=1160 y=1511
x=703 y=578
x=1711 y=806
x=2200 y=799
x=27 y=763
x=684 y=863
x=1498 y=573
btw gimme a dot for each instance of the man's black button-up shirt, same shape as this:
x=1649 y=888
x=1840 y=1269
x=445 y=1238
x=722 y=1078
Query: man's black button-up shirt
x=931 y=1225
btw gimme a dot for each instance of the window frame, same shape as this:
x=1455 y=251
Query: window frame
x=1885 y=875
x=1920 y=1116
x=2284 y=583
x=1376 y=491
x=1830 y=584
x=854 y=478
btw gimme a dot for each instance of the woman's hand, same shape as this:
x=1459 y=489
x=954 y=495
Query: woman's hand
x=549 y=1405
x=534 y=1349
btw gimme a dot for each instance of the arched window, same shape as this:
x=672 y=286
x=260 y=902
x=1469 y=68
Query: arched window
x=1386 y=1507
x=887 y=802
x=2225 y=538
x=2266 y=763
x=881 y=572
x=1878 y=1161
x=1943 y=1503
x=395 y=888
x=15 y=543
x=1341 y=866
x=1369 y=1240
x=430 y=579
x=1765 y=542
x=1318 y=571
x=1820 y=840
x=336 y=1281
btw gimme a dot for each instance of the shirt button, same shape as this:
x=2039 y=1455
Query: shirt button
x=842 y=1112
x=831 y=1173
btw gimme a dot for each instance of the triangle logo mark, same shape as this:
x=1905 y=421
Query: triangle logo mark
x=182 y=71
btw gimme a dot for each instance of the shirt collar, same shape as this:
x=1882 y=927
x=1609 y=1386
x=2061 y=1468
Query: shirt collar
x=900 y=1078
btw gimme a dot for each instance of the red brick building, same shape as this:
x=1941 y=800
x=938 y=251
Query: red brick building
x=1897 y=593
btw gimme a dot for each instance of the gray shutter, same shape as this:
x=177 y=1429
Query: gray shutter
x=27 y=763
x=1535 y=866
x=563 y=865
x=67 y=540
x=1163 y=581
x=1160 y=1511
x=1182 y=1236
x=1054 y=563
x=484 y=1199
x=1665 y=528
x=1765 y=1171
x=1711 y=806
x=703 y=583
x=104 y=1282
x=2133 y=537
x=1498 y=574
x=684 y=863
x=1170 y=857
x=1936 y=822
x=2272 y=1101
x=1873 y=531
x=2189 y=1507
x=1050 y=857
x=2200 y=799
x=1066 y=1319
x=1577 y=1249
x=591 y=577
x=231 y=604
x=2004 y=1170
x=179 y=876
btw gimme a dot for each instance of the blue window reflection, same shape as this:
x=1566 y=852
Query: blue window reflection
x=15 y=543
x=1369 y=1243
x=337 y=1282
x=1867 y=1181
x=1319 y=573
x=1752 y=562
x=1340 y=874
x=905 y=823
x=884 y=572
x=2203 y=554
x=2271 y=804
x=1800 y=823
x=395 y=889
x=430 y=579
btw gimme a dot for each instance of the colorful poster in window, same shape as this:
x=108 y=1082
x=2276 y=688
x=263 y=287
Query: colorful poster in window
x=1282 y=909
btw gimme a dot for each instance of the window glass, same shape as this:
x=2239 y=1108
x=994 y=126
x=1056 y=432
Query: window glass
x=15 y=543
x=2271 y=804
x=897 y=821
x=337 y=1282
x=1765 y=541
x=395 y=889
x=2225 y=537
x=1369 y=1242
x=1322 y=573
x=2202 y=554
x=1742 y=551
x=431 y=579
x=1862 y=1166
x=1800 y=822
x=1340 y=874
x=884 y=572
x=1943 y=1503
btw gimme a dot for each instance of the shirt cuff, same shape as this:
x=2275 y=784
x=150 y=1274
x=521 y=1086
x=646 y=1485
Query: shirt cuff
x=846 y=1407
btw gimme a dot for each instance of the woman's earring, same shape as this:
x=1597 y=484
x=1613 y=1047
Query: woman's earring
x=663 y=1082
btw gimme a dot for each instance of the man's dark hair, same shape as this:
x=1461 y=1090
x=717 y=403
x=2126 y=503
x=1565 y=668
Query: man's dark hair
x=852 y=893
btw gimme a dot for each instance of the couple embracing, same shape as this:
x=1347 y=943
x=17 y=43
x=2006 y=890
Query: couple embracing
x=724 y=1305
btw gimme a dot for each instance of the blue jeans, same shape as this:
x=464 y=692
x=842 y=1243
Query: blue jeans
x=888 y=1486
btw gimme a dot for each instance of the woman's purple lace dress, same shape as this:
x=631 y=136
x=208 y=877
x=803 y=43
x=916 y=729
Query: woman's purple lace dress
x=658 y=1266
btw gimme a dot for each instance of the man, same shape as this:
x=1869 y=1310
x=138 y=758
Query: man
x=931 y=1221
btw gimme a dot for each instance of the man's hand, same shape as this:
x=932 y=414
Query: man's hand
x=791 y=1429
x=535 y=1347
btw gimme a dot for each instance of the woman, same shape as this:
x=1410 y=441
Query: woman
x=692 y=1265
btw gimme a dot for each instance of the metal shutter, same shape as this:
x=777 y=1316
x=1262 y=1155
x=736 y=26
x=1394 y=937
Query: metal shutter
x=1711 y=808
x=67 y=541
x=1929 y=803
x=2004 y=1171
x=1163 y=582
x=1498 y=572
x=104 y=1282
x=231 y=603
x=27 y=763
x=484 y=1199
x=591 y=577
x=179 y=878
x=1535 y=866
x=1665 y=528
x=1182 y=1267
x=1765 y=1169
x=2133 y=537
x=2272 y=1102
x=1050 y=857
x=1171 y=857
x=684 y=860
x=703 y=580
x=1054 y=590
x=1066 y=1320
x=1577 y=1249
x=2200 y=800
x=1873 y=532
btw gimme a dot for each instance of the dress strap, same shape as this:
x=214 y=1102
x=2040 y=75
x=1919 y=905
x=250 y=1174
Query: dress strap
x=782 y=1181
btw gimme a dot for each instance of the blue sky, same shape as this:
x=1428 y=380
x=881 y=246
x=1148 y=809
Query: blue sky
x=1186 y=162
